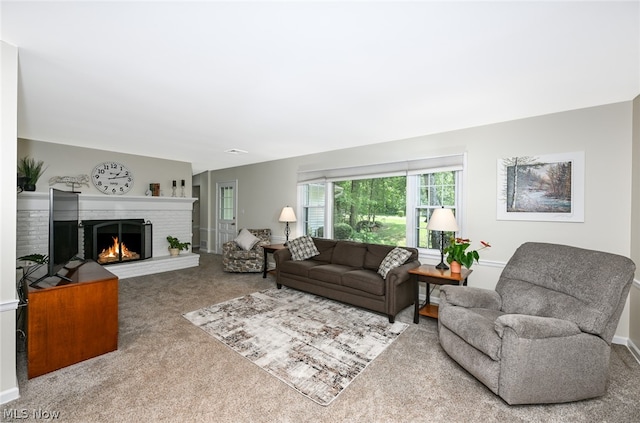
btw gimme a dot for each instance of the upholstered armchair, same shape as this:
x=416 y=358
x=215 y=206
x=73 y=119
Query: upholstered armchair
x=544 y=335
x=244 y=253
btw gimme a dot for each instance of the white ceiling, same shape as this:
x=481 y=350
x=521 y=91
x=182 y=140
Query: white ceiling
x=188 y=80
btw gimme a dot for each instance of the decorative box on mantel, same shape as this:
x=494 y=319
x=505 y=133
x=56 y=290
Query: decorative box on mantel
x=169 y=216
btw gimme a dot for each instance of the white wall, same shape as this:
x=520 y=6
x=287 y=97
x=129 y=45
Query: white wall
x=60 y=160
x=8 y=302
x=64 y=160
x=604 y=133
x=634 y=317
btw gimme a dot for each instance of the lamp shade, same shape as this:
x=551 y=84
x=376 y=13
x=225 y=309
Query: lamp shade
x=442 y=220
x=287 y=215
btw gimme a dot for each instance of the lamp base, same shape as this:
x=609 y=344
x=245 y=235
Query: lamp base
x=442 y=266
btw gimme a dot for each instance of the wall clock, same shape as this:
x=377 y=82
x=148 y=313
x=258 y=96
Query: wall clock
x=112 y=178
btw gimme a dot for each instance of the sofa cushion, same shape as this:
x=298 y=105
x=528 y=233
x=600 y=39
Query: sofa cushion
x=537 y=281
x=331 y=273
x=299 y=268
x=519 y=297
x=395 y=258
x=246 y=240
x=245 y=255
x=375 y=255
x=348 y=253
x=364 y=280
x=302 y=248
x=325 y=247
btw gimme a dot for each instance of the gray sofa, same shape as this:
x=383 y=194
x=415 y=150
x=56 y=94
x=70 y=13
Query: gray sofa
x=544 y=335
x=347 y=271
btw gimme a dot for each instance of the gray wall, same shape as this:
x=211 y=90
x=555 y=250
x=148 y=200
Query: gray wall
x=65 y=160
x=604 y=133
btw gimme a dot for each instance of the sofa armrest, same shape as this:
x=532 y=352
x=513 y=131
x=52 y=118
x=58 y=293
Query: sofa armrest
x=229 y=246
x=400 y=274
x=535 y=327
x=258 y=246
x=469 y=297
x=282 y=255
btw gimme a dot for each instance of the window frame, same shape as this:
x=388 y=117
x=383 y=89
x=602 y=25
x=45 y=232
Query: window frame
x=412 y=205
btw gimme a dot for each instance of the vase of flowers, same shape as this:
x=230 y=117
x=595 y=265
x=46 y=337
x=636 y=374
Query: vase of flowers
x=457 y=253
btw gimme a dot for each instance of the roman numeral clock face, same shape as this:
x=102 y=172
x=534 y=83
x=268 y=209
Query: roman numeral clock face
x=112 y=178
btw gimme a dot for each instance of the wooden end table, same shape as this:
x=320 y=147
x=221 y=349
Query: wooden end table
x=269 y=249
x=432 y=276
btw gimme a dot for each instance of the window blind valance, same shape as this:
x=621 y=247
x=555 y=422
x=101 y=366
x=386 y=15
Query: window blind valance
x=406 y=167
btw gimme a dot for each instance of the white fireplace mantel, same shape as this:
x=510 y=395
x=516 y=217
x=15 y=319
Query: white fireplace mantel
x=169 y=216
x=40 y=201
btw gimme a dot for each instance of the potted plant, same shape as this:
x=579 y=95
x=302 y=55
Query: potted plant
x=175 y=246
x=457 y=254
x=31 y=170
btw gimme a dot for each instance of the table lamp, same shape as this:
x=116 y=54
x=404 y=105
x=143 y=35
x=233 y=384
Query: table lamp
x=287 y=215
x=442 y=220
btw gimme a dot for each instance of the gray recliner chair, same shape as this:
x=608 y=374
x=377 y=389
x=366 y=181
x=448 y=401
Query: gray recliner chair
x=544 y=335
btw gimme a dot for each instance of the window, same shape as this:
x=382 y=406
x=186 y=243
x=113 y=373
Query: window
x=313 y=206
x=434 y=191
x=371 y=210
x=380 y=210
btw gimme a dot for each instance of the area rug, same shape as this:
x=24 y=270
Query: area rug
x=315 y=345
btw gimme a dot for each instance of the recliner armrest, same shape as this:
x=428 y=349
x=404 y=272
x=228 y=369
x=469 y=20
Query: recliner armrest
x=469 y=297
x=535 y=327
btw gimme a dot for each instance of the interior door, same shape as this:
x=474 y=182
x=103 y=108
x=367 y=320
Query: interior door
x=226 y=216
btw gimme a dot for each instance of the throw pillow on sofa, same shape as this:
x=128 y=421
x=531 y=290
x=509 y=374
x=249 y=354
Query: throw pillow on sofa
x=302 y=248
x=246 y=240
x=395 y=258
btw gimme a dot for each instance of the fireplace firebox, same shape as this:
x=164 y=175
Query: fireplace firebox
x=117 y=240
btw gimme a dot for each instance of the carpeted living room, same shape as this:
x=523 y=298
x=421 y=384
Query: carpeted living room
x=350 y=122
x=168 y=369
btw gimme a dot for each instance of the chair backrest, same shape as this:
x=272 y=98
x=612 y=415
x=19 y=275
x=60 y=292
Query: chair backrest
x=584 y=286
x=263 y=234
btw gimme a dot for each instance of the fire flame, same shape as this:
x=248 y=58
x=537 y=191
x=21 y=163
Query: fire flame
x=113 y=252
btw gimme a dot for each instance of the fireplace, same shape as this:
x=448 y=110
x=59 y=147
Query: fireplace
x=117 y=241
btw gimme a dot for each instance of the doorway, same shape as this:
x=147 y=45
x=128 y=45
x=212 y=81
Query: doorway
x=227 y=201
x=195 y=219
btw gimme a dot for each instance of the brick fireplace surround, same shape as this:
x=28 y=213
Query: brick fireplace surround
x=169 y=216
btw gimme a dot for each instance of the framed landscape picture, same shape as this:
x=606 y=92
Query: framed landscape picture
x=541 y=188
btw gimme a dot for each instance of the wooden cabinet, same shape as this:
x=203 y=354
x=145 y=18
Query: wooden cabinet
x=69 y=321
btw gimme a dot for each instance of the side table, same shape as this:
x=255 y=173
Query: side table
x=269 y=249
x=432 y=276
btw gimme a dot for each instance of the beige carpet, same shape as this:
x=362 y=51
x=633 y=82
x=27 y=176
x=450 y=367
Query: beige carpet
x=166 y=371
x=315 y=345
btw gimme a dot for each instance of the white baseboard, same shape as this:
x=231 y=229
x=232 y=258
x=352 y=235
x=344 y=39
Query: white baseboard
x=635 y=351
x=8 y=305
x=620 y=340
x=9 y=395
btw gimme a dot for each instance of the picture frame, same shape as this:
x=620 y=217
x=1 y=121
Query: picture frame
x=541 y=188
